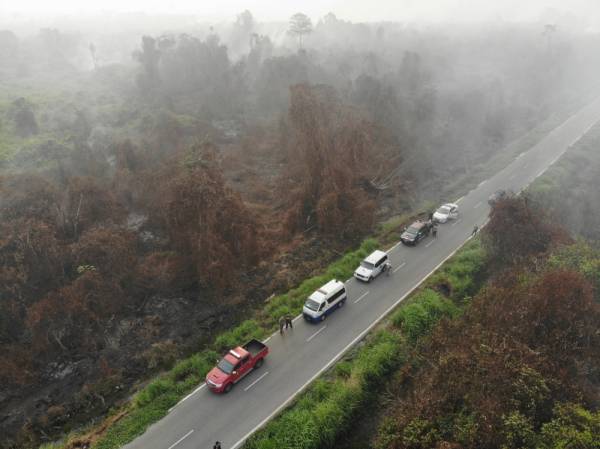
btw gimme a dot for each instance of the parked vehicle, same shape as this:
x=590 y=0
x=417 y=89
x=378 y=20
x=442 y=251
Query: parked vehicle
x=496 y=196
x=235 y=365
x=448 y=211
x=416 y=232
x=372 y=266
x=325 y=300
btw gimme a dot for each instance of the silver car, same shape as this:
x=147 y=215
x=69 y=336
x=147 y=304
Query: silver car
x=448 y=211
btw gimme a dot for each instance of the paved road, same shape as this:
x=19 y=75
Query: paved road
x=300 y=356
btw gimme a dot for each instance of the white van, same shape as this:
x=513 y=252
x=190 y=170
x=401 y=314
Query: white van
x=324 y=301
x=372 y=266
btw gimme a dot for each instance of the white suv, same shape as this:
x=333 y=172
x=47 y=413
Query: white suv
x=372 y=266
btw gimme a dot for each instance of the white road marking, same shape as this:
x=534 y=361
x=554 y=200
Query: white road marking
x=456 y=222
x=459 y=200
x=482 y=182
x=295 y=319
x=181 y=439
x=399 y=266
x=540 y=173
x=256 y=381
x=394 y=247
x=361 y=297
x=316 y=333
x=520 y=155
x=343 y=351
x=429 y=244
x=267 y=339
x=477 y=205
x=349 y=279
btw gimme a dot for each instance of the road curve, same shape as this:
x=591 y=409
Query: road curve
x=299 y=356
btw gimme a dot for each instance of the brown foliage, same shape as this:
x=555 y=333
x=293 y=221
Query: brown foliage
x=206 y=221
x=85 y=204
x=327 y=165
x=522 y=346
x=72 y=317
x=111 y=251
x=27 y=197
x=163 y=272
x=518 y=230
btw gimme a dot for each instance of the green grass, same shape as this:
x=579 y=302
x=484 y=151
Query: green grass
x=462 y=275
x=422 y=314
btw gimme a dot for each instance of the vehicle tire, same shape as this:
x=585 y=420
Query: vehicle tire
x=323 y=317
x=341 y=304
x=259 y=363
x=370 y=279
x=227 y=388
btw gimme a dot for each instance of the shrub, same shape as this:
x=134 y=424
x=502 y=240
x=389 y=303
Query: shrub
x=154 y=389
x=418 y=318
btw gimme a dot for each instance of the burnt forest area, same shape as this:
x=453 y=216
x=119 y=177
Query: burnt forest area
x=161 y=177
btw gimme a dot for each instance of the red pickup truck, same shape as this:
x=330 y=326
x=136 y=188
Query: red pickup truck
x=235 y=365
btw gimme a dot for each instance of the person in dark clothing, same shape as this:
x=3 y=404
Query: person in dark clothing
x=434 y=230
x=430 y=216
x=475 y=230
x=281 y=324
x=217 y=445
x=288 y=322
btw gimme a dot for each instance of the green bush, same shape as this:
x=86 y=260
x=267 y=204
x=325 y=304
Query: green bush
x=462 y=273
x=418 y=318
x=153 y=390
x=248 y=330
x=571 y=427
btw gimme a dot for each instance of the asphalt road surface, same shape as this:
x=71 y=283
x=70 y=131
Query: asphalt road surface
x=300 y=355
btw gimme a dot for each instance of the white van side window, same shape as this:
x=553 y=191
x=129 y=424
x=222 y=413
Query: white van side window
x=335 y=296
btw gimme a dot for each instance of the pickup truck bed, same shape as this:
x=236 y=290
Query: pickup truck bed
x=254 y=347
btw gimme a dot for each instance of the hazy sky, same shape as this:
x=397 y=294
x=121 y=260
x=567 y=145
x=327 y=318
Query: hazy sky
x=585 y=12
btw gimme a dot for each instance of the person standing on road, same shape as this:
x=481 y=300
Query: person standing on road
x=281 y=324
x=387 y=268
x=434 y=230
x=475 y=231
x=217 y=445
x=288 y=321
